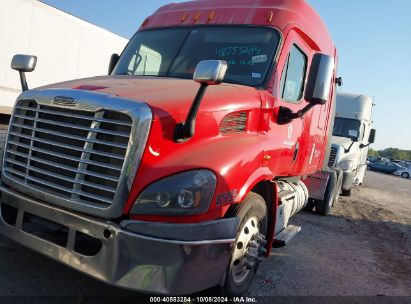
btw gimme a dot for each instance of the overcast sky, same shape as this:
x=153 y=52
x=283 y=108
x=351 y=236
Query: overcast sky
x=373 y=38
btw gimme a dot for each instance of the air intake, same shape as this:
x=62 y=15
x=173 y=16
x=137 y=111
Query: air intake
x=234 y=123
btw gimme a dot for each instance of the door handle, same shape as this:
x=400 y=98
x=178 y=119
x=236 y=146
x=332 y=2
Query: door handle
x=297 y=148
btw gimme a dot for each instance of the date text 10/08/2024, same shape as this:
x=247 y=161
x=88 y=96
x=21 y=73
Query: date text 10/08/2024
x=203 y=300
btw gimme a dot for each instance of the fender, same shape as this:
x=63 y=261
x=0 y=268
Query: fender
x=260 y=175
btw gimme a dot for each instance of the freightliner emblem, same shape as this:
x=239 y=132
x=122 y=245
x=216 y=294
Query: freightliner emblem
x=64 y=101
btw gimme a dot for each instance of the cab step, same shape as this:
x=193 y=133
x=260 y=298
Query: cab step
x=285 y=236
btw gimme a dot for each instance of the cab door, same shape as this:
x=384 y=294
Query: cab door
x=289 y=86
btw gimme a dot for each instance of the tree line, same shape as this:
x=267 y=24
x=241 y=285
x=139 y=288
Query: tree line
x=391 y=153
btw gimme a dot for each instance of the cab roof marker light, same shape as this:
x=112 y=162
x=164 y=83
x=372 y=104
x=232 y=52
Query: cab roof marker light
x=184 y=17
x=197 y=16
x=211 y=15
x=270 y=16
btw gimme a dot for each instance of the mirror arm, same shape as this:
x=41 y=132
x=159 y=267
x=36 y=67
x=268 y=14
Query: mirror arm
x=23 y=81
x=349 y=148
x=285 y=115
x=185 y=131
x=362 y=146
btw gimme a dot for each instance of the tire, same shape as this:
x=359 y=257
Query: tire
x=346 y=192
x=369 y=168
x=310 y=205
x=323 y=207
x=237 y=280
x=405 y=175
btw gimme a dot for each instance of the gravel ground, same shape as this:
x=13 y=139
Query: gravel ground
x=362 y=249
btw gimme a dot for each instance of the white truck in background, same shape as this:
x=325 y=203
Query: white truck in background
x=352 y=136
x=66 y=46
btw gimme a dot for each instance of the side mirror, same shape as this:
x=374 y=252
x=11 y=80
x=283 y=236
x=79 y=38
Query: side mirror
x=113 y=62
x=371 y=139
x=210 y=72
x=372 y=136
x=23 y=64
x=319 y=79
x=318 y=88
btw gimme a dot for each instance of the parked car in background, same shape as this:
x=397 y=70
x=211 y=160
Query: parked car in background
x=372 y=159
x=405 y=164
x=405 y=172
x=386 y=167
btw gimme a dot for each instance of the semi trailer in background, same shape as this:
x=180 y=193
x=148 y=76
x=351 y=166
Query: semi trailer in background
x=181 y=169
x=67 y=47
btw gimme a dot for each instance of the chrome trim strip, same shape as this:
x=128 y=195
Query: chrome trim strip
x=141 y=116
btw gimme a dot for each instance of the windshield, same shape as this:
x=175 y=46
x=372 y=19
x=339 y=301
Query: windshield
x=175 y=52
x=350 y=128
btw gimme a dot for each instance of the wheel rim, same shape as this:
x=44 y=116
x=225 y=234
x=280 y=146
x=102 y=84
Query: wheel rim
x=405 y=175
x=239 y=263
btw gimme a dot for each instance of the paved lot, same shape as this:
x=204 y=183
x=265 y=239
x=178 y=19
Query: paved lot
x=362 y=249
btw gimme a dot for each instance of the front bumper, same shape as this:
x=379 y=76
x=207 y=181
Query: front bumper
x=174 y=263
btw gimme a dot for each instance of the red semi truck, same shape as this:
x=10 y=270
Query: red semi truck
x=180 y=170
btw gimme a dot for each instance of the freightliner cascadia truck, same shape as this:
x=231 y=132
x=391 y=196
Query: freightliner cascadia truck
x=352 y=136
x=181 y=169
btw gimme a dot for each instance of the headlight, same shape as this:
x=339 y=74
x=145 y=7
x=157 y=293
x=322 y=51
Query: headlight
x=190 y=192
x=347 y=165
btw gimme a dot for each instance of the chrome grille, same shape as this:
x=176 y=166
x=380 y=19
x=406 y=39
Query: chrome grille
x=333 y=155
x=75 y=154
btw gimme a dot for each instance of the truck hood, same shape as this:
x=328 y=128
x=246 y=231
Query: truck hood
x=168 y=96
x=343 y=143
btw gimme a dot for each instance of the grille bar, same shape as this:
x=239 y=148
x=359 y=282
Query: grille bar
x=69 y=147
x=63 y=156
x=67 y=125
x=68 y=190
x=77 y=155
x=64 y=167
x=122 y=146
x=116 y=122
x=62 y=177
x=333 y=156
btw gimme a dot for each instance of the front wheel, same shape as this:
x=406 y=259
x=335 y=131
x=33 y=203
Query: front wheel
x=249 y=246
x=405 y=175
